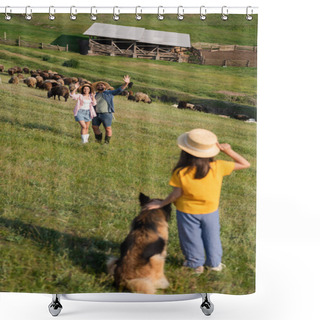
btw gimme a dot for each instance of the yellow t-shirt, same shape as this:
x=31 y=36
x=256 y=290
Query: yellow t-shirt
x=200 y=196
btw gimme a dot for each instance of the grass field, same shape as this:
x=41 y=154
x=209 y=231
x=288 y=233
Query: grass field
x=66 y=207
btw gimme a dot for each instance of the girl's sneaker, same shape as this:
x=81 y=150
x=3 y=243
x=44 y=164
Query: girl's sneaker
x=219 y=268
x=197 y=270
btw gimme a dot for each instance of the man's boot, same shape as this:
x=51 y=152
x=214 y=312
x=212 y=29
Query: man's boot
x=107 y=139
x=98 y=137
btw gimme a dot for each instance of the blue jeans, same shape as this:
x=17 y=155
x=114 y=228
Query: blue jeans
x=199 y=236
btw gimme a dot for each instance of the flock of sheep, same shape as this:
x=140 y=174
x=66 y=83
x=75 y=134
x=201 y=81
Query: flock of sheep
x=58 y=85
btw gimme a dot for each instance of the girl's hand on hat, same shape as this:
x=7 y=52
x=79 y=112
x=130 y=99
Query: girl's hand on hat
x=224 y=147
x=77 y=85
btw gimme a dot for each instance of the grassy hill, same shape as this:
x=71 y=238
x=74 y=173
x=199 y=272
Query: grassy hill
x=66 y=207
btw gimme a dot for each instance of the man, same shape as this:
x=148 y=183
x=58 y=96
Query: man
x=105 y=107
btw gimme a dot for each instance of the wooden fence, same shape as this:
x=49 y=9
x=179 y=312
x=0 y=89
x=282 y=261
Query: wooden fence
x=133 y=49
x=28 y=44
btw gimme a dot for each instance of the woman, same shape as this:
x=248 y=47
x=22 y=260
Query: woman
x=84 y=111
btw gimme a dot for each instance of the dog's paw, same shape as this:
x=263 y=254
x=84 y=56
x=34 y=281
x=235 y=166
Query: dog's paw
x=162 y=283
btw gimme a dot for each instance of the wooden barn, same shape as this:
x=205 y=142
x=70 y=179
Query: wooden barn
x=117 y=40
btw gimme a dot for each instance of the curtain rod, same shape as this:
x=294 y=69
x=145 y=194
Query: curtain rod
x=180 y=10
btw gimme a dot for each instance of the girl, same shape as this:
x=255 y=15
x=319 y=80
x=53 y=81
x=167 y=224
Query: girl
x=196 y=181
x=84 y=111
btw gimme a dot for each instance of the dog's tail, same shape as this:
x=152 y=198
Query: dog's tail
x=111 y=265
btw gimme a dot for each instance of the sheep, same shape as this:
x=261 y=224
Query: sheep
x=239 y=116
x=185 y=105
x=11 y=71
x=68 y=81
x=198 y=107
x=30 y=82
x=18 y=69
x=47 y=85
x=39 y=79
x=20 y=76
x=60 y=91
x=50 y=71
x=83 y=81
x=56 y=76
x=1 y=68
x=60 y=81
x=26 y=70
x=131 y=96
x=14 y=80
x=125 y=93
x=140 y=96
x=44 y=75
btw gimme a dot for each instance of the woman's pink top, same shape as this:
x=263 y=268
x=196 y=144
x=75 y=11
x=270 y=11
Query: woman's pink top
x=79 y=97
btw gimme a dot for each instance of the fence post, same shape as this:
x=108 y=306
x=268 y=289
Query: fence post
x=67 y=48
x=5 y=36
x=41 y=45
x=19 y=42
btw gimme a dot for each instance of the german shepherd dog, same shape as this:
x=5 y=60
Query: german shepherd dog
x=140 y=267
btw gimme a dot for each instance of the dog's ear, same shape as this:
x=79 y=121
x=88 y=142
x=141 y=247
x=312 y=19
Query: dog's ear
x=143 y=199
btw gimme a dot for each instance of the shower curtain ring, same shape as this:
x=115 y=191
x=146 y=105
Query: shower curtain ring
x=224 y=13
x=203 y=13
x=28 y=15
x=160 y=15
x=52 y=11
x=180 y=13
x=6 y=15
x=93 y=16
x=249 y=15
x=116 y=15
x=73 y=15
x=138 y=15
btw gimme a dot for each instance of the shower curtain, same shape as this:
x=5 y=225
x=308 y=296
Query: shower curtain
x=72 y=198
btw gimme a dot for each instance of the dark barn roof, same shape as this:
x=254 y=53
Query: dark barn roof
x=141 y=35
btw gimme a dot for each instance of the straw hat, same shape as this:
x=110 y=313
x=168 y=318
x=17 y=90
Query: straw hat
x=200 y=143
x=86 y=85
x=107 y=85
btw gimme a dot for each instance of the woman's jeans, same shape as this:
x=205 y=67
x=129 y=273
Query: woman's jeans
x=199 y=236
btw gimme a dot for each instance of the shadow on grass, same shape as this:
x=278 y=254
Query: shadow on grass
x=35 y=125
x=72 y=41
x=88 y=253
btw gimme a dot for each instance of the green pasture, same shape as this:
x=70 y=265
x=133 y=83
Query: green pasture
x=66 y=207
